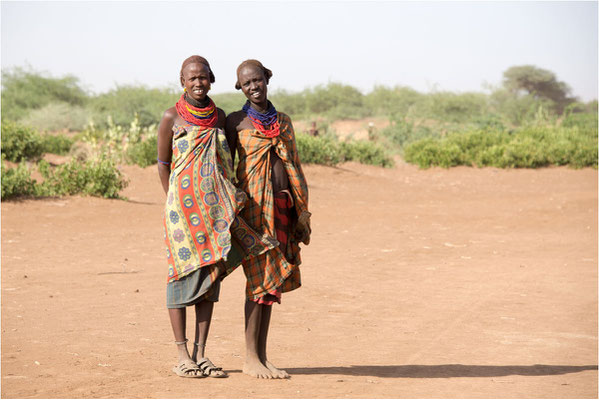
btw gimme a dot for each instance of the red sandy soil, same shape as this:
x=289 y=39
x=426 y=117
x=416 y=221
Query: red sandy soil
x=460 y=283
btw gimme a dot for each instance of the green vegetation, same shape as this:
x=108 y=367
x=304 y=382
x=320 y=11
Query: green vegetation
x=528 y=120
x=20 y=143
x=229 y=102
x=16 y=181
x=529 y=147
x=327 y=150
x=94 y=177
x=143 y=153
x=318 y=150
x=24 y=90
x=55 y=117
x=126 y=103
x=57 y=144
x=98 y=177
x=538 y=83
x=366 y=152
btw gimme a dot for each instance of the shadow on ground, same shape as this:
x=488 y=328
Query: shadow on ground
x=443 y=371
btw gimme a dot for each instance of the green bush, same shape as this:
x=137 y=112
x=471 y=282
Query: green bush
x=95 y=177
x=58 y=117
x=230 y=102
x=57 y=144
x=124 y=103
x=143 y=153
x=115 y=141
x=585 y=121
x=518 y=110
x=20 y=143
x=392 y=101
x=336 y=101
x=318 y=150
x=400 y=132
x=326 y=150
x=366 y=152
x=450 y=107
x=17 y=181
x=489 y=122
x=293 y=104
x=430 y=152
x=528 y=147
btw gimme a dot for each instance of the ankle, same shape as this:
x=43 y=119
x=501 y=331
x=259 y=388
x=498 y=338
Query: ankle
x=198 y=350
x=182 y=342
x=182 y=349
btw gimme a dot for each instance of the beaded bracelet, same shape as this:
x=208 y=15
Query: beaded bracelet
x=162 y=162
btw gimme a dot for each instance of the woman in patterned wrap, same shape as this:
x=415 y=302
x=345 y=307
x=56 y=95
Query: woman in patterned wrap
x=204 y=238
x=270 y=173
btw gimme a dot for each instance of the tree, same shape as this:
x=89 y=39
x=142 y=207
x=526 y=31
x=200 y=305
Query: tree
x=24 y=90
x=539 y=83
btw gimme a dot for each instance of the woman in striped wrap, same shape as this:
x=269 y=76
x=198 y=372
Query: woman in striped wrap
x=270 y=173
x=205 y=240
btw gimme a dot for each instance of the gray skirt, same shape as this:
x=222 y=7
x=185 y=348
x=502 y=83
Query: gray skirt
x=192 y=289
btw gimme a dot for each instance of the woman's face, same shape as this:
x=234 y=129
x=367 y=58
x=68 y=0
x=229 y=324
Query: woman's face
x=253 y=84
x=196 y=80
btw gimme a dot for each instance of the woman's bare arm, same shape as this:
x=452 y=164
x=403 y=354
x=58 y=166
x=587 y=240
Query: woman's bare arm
x=165 y=151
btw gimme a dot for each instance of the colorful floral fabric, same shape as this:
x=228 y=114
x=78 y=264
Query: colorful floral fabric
x=200 y=218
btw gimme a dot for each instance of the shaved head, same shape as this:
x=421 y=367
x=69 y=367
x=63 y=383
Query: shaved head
x=197 y=60
x=256 y=64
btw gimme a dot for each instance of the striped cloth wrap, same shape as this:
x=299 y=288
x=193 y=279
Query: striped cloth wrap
x=272 y=270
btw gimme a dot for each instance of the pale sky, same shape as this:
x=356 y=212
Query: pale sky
x=455 y=46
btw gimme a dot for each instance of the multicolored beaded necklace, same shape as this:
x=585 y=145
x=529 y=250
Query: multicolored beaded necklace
x=260 y=121
x=206 y=117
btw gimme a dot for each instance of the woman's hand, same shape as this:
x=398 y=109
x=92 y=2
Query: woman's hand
x=302 y=229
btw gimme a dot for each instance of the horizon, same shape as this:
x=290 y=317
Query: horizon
x=274 y=92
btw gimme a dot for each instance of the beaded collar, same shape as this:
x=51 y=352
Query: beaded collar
x=206 y=117
x=261 y=121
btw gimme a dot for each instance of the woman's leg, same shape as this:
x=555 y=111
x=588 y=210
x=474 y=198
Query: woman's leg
x=186 y=365
x=178 y=320
x=253 y=322
x=262 y=340
x=203 y=318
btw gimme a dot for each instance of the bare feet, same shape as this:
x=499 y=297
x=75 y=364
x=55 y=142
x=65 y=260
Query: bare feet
x=276 y=373
x=256 y=369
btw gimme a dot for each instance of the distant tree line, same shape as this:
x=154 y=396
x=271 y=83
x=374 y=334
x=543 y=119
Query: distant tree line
x=49 y=103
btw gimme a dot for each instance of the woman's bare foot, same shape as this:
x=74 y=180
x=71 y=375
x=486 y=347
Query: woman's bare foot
x=256 y=369
x=276 y=373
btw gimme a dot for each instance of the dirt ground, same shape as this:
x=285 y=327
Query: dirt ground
x=460 y=283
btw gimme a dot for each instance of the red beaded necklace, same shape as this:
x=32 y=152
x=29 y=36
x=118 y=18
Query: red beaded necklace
x=272 y=132
x=206 y=117
x=260 y=120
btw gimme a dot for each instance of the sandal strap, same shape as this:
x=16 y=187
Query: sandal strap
x=207 y=365
x=187 y=366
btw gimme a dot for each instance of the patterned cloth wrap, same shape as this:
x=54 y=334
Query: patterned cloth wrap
x=272 y=270
x=202 y=229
